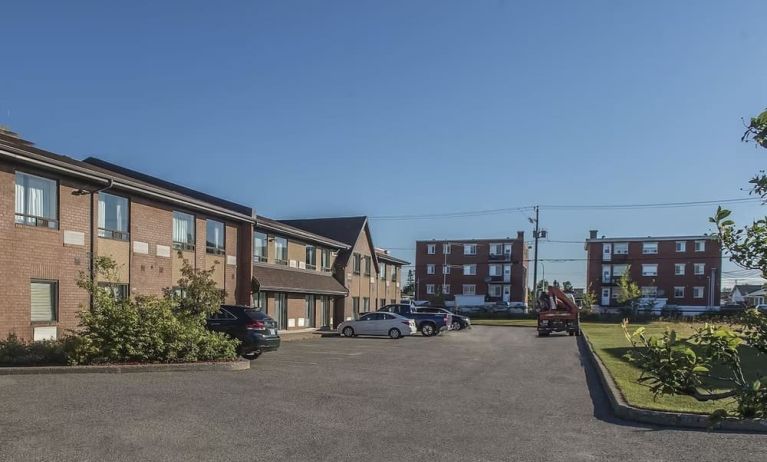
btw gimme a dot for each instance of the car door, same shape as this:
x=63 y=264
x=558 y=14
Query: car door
x=365 y=324
x=387 y=322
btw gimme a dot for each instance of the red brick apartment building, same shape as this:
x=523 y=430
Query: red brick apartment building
x=683 y=271
x=495 y=268
x=55 y=212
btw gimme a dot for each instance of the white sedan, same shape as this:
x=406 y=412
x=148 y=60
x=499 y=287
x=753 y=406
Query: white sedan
x=391 y=324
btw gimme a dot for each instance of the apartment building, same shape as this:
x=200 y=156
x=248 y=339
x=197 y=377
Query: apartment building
x=684 y=271
x=371 y=276
x=293 y=275
x=494 y=268
x=56 y=212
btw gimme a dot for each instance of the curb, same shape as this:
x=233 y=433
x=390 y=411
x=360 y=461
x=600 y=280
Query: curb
x=663 y=418
x=239 y=365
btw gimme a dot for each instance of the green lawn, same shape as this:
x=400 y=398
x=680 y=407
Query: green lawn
x=610 y=345
x=505 y=322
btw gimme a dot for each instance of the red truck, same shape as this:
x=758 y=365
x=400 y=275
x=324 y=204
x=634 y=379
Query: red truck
x=557 y=313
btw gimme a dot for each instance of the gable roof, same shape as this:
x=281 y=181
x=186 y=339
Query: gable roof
x=746 y=289
x=343 y=229
x=384 y=256
x=291 y=231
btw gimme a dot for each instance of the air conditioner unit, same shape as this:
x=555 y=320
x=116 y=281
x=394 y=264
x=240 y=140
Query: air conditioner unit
x=302 y=265
x=293 y=263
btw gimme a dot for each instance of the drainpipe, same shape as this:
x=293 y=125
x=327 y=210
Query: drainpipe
x=91 y=260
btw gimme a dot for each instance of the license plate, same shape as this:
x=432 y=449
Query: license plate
x=272 y=331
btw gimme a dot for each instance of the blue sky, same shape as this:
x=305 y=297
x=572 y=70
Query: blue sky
x=319 y=108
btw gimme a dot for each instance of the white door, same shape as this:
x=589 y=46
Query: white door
x=607 y=251
x=506 y=293
x=507 y=250
x=605 y=296
x=506 y=273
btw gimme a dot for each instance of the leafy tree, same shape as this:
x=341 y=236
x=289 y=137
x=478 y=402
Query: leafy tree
x=438 y=298
x=628 y=290
x=196 y=294
x=543 y=285
x=567 y=286
x=409 y=288
x=589 y=299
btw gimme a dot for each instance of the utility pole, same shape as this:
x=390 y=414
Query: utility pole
x=536 y=234
x=444 y=266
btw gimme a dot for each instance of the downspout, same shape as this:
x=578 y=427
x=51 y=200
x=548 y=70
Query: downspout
x=92 y=259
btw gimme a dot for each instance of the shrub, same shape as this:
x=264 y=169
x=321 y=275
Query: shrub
x=150 y=329
x=17 y=352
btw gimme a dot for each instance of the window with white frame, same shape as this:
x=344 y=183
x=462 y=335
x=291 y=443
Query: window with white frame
x=445 y=269
x=183 y=231
x=281 y=250
x=650 y=270
x=469 y=289
x=649 y=291
x=496 y=249
x=619 y=270
x=679 y=269
x=260 y=247
x=470 y=249
x=446 y=248
x=496 y=270
x=430 y=268
x=621 y=248
x=699 y=268
x=113 y=216
x=681 y=246
x=649 y=247
x=382 y=270
x=445 y=288
x=431 y=249
x=697 y=292
x=430 y=289
x=214 y=237
x=679 y=292
x=495 y=290
x=700 y=246
x=469 y=270
x=36 y=201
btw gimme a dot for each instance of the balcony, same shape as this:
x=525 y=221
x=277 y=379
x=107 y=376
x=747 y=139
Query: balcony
x=495 y=278
x=499 y=257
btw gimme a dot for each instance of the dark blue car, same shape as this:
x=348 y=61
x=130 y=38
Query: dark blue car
x=256 y=331
x=427 y=323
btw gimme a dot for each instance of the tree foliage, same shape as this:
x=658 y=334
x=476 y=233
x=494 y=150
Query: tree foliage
x=589 y=299
x=628 y=290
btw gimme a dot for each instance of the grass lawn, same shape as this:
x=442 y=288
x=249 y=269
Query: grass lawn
x=610 y=345
x=505 y=322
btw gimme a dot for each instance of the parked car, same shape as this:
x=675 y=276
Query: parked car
x=256 y=331
x=427 y=323
x=378 y=323
x=469 y=309
x=458 y=322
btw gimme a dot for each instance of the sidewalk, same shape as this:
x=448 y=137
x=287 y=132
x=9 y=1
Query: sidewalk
x=305 y=334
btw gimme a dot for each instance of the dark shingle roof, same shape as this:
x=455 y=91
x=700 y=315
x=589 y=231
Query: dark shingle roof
x=282 y=279
x=390 y=259
x=344 y=229
x=746 y=289
x=268 y=224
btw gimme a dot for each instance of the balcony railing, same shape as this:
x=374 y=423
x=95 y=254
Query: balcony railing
x=499 y=256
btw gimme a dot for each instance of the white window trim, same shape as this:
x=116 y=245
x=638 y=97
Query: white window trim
x=470 y=249
x=446 y=248
x=430 y=289
x=695 y=291
x=684 y=246
x=446 y=288
x=645 y=249
x=695 y=267
x=683 y=266
x=621 y=248
x=473 y=289
x=675 y=292
x=431 y=249
x=702 y=245
x=645 y=268
x=430 y=268
x=472 y=270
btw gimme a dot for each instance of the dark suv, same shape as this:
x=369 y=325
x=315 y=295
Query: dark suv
x=256 y=331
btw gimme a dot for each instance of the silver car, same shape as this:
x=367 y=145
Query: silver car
x=378 y=323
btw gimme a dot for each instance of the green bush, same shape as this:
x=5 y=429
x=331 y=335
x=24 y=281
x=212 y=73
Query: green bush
x=17 y=352
x=150 y=329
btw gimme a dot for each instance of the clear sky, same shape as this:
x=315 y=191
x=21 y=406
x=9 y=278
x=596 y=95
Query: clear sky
x=380 y=108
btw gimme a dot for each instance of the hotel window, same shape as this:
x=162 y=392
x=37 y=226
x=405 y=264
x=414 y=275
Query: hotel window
x=113 y=216
x=118 y=291
x=470 y=249
x=681 y=246
x=310 y=310
x=367 y=265
x=699 y=268
x=445 y=288
x=431 y=249
x=365 y=304
x=495 y=290
x=281 y=250
x=469 y=270
x=496 y=270
x=214 y=237
x=445 y=269
x=678 y=292
x=259 y=301
x=355 y=307
x=621 y=248
x=382 y=269
x=679 y=269
x=700 y=246
x=496 y=249
x=311 y=257
x=469 y=289
x=649 y=270
x=430 y=269
x=430 y=289
x=260 y=253
x=394 y=271
x=44 y=299
x=697 y=292
x=446 y=248
x=325 y=255
x=357 y=263
x=36 y=201
x=649 y=247
x=183 y=231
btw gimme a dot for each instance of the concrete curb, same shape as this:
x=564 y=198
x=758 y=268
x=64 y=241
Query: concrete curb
x=128 y=368
x=625 y=411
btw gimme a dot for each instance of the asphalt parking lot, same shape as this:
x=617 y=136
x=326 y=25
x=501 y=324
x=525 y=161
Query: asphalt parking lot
x=490 y=394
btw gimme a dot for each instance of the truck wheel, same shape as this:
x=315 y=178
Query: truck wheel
x=348 y=331
x=395 y=333
x=428 y=330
